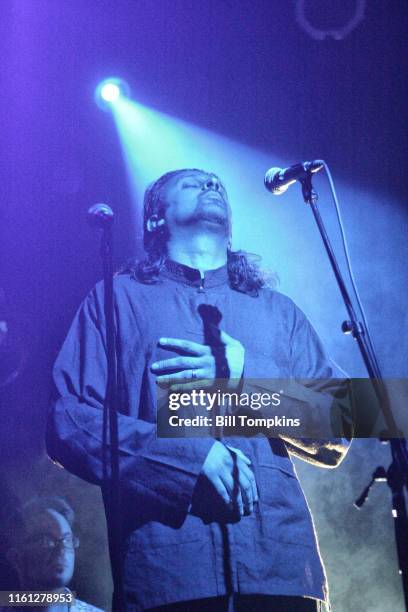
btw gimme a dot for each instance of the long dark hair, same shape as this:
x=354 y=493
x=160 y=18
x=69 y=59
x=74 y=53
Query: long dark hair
x=243 y=270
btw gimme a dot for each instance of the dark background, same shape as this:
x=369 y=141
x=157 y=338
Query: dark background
x=241 y=69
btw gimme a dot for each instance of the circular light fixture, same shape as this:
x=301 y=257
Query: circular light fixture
x=109 y=91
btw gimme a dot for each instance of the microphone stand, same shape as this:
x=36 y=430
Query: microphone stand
x=396 y=475
x=102 y=216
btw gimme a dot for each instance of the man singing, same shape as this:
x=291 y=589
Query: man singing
x=208 y=524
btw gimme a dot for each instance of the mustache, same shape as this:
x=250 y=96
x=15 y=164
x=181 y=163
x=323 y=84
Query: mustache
x=218 y=197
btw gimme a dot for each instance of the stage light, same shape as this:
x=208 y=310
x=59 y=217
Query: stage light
x=109 y=91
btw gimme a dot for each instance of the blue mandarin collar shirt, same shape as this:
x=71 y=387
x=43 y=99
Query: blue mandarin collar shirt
x=170 y=552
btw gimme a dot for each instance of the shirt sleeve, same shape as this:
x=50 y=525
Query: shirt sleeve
x=160 y=473
x=317 y=390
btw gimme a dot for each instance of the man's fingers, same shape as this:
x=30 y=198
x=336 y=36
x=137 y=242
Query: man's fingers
x=185 y=345
x=182 y=375
x=239 y=452
x=221 y=490
x=254 y=489
x=237 y=501
x=244 y=478
x=247 y=490
x=226 y=338
x=234 y=492
x=251 y=479
x=175 y=362
x=232 y=478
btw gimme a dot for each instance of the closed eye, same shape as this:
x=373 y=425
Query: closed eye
x=191 y=184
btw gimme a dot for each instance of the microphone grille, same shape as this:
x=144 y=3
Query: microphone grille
x=270 y=180
x=100 y=215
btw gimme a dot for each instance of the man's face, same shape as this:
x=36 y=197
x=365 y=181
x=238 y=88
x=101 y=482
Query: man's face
x=197 y=199
x=43 y=566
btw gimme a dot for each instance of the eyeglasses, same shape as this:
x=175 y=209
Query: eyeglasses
x=47 y=542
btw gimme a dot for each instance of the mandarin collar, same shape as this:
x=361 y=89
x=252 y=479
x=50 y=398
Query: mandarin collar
x=191 y=276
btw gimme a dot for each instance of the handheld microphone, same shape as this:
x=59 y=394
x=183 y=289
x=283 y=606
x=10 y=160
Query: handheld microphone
x=277 y=180
x=100 y=215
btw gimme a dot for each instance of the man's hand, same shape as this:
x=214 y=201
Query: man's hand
x=228 y=471
x=200 y=362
